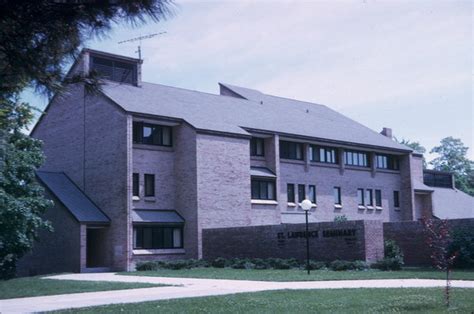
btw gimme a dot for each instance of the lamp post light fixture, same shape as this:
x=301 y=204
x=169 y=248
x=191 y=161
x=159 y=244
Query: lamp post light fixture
x=306 y=206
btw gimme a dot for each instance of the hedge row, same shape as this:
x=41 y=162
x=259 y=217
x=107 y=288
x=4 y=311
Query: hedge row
x=251 y=263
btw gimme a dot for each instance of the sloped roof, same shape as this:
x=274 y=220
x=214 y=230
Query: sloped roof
x=452 y=204
x=261 y=172
x=233 y=115
x=80 y=206
x=418 y=186
x=156 y=216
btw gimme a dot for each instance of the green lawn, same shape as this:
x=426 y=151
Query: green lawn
x=307 y=301
x=300 y=275
x=35 y=286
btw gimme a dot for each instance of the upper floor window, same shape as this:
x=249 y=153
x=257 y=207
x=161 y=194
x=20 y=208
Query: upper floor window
x=114 y=70
x=356 y=158
x=152 y=134
x=387 y=162
x=360 y=197
x=312 y=193
x=396 y=199
x=291 y=150
x=369 y=197
x=438 y=179
x=257 y=146
x=290 y=192
x=301 y=192
x=149 y=185
x=337 y=195
x=324 y=154
x=136 y=184
x=378 y=198
x=263 y=189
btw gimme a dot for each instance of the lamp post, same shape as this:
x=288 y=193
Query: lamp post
x=306 y=206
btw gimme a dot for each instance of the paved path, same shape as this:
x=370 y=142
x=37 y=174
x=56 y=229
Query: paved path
x=191 y=287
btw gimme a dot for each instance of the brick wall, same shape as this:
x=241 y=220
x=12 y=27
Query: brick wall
x=363 y=242
x=410 y=237
x=55 y=252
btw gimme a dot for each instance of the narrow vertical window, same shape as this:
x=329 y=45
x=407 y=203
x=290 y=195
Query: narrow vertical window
x=136 y=184
x=290 y=192
x=369 y=197
x=312 y=193
x=149 y=185
x=378 y=198
x=257 y=146
x=360 y=197
x=301 y=192
x=337 y=195
x=396 y=199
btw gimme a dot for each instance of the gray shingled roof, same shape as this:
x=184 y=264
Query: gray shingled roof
x=233 y=115
x=452 y=204
x=80 y=206
x=160 y=216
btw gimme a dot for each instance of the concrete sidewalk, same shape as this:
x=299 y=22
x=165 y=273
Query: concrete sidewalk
x=190 y=287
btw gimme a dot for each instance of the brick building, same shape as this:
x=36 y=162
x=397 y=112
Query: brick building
x=140 y=169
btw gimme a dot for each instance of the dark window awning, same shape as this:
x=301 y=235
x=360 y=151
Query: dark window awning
x=261 y=172
x=73 y=198
x=156 y=216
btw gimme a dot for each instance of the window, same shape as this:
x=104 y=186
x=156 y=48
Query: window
x=263 y=189
x=152 y=134
x=149 y=185
x=157 y=237
x=360 y=197
x=291 y=150
x=396 y=199
x=387 y=162
x=324 y=154
x=301 y=192
x=136 y=184
x=356 y=158
x=437 y=179
x=369 y=197
x=118 y=71
x=290 y=192
x=312 y=194
x=378 y=198
x=257 y=146
x=337 y=195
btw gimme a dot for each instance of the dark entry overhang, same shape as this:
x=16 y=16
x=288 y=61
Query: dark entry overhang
x=73 y=198
x=156 y=216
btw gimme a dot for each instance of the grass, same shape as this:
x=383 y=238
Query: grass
x=35 y=286
x=300 y=275
x=306 y=301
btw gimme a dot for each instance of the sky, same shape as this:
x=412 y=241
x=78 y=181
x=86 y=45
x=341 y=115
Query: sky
x=407 y=65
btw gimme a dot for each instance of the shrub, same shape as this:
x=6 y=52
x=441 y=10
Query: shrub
x=339 y=265
x=279 y=263
x=260 y=263
x=178 y=264
x=392 y=250
x=360 y=265
x=313 y=265
x=219 y=262
x=388 y=263
x=144 y=266
x=463 y=246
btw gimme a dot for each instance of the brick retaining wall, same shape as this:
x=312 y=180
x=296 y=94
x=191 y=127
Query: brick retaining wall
x=351 y=240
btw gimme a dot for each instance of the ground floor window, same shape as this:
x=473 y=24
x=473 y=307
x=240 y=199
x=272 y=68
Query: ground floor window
x=157 y=237
x=263 y=189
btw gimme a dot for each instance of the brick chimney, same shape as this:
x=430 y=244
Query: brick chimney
x=387 y=132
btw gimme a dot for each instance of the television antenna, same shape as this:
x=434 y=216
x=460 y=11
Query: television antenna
x=139 y=39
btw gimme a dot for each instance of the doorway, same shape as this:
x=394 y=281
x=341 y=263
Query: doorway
x=95 y=252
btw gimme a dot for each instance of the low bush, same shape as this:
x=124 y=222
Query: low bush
x=260 y=263
x=144 y=266
x=314 y=265
x=219 y=262
x=463 y=246
x=393 y=259
x=339 y=265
